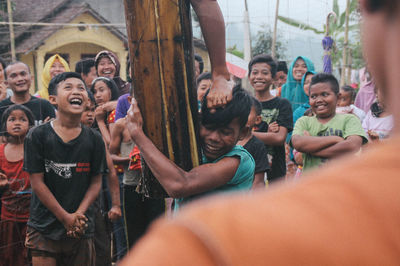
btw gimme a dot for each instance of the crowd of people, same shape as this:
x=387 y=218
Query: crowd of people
x=71 y=154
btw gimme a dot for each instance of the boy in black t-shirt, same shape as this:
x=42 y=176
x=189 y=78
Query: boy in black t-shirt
x=255 y=147
x=276 y=112
x=65 y=161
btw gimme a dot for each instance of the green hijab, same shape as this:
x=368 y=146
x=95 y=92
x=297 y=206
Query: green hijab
x=293 y=89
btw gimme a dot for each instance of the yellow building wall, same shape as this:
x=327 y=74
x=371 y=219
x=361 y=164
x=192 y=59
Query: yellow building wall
x=72 y=41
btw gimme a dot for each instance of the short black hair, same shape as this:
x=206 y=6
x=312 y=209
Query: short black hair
x=350 y=90
x=238 y=107
x=15 y=63
x=110 y=84
x=83 y=66
x=256 y=104
x=282 y=66
x=91 y=96
x=4 y=65
x=202 y=76
x=61 y=77
x=7 y=113
x=377 y=5
x=325 y=78
x=264 y=58
x=199 y=59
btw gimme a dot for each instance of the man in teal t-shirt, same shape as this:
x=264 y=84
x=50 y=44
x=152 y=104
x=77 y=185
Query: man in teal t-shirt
x=242 y=180
x=226 y=167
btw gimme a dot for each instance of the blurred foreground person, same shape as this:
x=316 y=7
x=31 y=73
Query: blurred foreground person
x=346 y=214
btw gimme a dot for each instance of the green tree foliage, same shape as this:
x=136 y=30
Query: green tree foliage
x=233 y=50
x=262 y=43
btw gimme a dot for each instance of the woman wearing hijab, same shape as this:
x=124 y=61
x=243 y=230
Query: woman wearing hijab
x=54 y=65
x=366 y=95
x=108 y=65
x=293 y=89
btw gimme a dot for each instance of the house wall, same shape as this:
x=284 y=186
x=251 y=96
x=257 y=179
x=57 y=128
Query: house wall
x=72 y=41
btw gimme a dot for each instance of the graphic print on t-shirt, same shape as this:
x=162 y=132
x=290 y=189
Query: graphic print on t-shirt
x=269 y=115
x=61 y=169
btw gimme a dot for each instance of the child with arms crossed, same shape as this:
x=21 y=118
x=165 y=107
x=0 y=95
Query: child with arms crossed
x=327 y=134
x=65 y=161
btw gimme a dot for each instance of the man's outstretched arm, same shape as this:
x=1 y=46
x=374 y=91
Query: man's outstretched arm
x=213 y=28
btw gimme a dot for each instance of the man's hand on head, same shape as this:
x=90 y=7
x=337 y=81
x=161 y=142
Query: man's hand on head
x=220 y=93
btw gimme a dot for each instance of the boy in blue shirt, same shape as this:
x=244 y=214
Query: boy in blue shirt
x=225 y=167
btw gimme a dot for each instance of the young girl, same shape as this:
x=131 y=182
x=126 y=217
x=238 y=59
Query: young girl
x=104 y=91
x=378 y=123
x=293 y=89
x=14 y=185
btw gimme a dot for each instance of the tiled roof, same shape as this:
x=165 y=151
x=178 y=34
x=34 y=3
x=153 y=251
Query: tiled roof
x=53 y=11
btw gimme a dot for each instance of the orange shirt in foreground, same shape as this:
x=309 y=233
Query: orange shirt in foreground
x=346 y=214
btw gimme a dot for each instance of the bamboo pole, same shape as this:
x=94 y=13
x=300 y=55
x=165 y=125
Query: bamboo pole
x=161 y=55
x=273 y=47
x=11 y=29
x=346 y=41
x=247 y=35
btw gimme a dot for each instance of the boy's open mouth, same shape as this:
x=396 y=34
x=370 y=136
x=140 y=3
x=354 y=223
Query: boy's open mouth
x=76 y=101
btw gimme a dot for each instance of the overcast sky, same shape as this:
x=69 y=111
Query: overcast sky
x=312 y=12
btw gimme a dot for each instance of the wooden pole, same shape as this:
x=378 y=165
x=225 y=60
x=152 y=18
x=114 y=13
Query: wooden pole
x=273 y=47
x=346 y=41
x=161 y=55
x=247 y=35
x=11 y=29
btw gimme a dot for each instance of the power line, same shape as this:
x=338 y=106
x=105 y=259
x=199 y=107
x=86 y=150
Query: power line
x=64 y=24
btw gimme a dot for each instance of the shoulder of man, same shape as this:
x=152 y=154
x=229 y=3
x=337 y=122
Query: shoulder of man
x=39 y=130
x=35 y=99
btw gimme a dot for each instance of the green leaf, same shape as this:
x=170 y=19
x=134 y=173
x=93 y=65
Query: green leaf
x=299 y=24
x=335 y=7
x=342 y=19
x=353 y=5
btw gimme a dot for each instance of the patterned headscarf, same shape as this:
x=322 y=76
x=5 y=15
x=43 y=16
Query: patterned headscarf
x=123 y=86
